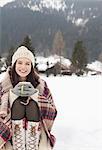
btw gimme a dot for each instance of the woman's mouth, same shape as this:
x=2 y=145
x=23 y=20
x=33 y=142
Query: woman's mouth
x=22 y=71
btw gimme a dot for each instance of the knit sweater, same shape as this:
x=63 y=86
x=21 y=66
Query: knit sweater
x=45 y=102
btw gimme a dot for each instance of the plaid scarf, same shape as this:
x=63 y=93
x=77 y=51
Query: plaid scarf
x=46 y=104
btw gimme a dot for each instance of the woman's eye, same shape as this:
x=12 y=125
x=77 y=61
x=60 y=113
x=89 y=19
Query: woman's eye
x=28 y=64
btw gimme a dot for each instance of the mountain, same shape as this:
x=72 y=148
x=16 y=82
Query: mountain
x=41 y=19
x=38 y=4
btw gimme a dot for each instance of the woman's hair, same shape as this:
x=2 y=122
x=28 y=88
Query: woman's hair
x=31 y=77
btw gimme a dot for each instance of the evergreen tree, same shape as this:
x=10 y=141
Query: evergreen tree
x=9 y=57
x=27 y=42
x=0 y=64
x=100 y=57
x=79 y=56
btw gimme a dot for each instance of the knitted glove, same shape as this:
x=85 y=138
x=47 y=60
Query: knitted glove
x=24 y=89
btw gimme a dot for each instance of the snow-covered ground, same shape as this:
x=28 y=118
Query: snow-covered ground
x=78 y=125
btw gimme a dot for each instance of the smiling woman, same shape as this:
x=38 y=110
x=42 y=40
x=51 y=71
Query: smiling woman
x=27 y=109
x=3 y=2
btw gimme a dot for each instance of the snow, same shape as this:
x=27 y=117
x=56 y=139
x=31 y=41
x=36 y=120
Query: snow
x=81 y=22
x=58 y=4
x=96 y=65
x=3 y=2
x=52 y=60
x=78 y=125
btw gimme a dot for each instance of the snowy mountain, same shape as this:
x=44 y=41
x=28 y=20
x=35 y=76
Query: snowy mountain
x=41 y=19
x=39 y=4
x=78 y=11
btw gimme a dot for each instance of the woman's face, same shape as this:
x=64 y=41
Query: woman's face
x=23 y=67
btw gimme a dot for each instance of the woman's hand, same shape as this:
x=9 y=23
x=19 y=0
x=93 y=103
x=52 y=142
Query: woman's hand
x=24 y=89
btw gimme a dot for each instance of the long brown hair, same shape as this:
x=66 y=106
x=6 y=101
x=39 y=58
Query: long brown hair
x=31 y=77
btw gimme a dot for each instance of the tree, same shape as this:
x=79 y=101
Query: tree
x=27 y=42
x=100 y=57
x=0 y=64
x=9 y=57
x=58 y=44
x=79 y=56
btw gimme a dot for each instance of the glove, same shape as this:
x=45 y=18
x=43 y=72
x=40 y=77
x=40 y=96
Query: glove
x=24 y=89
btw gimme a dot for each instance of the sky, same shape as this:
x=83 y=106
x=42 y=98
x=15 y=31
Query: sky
x=78 y=125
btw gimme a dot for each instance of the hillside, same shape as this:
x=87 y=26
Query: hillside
x=41 y=19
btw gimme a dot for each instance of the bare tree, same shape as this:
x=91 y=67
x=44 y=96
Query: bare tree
x=58 y=44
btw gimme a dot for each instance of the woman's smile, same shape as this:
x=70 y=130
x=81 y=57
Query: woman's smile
x=23 y=67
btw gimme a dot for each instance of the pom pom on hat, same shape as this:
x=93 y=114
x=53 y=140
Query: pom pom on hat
x=22 y=51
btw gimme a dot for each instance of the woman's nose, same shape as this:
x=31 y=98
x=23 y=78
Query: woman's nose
x=23 y=66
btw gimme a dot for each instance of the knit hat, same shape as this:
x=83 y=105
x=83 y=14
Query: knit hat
x=22 y=51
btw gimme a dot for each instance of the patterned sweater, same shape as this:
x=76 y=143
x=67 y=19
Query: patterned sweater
x=45 y=102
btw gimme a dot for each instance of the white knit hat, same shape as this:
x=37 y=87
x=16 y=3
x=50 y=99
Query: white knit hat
x=22 y=51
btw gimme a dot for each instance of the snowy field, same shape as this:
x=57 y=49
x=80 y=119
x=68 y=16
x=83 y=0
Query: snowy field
x=78 y=125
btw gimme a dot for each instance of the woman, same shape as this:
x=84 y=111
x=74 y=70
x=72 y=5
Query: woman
x=27 y=110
